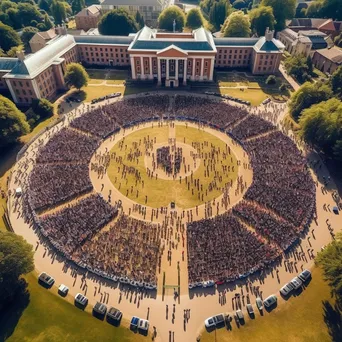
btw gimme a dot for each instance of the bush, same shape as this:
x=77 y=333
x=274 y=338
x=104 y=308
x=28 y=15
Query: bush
x=271 y=80
x=42 y=108
x=283 y=87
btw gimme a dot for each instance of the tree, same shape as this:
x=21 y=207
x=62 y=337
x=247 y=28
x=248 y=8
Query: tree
x=8 y=37
x=237 y=25
x=42 y=107
x=307 y=95
x=44 y=5
x=219 y=12
x=27 y=13
x=336 y=81
x=58 y=11
x=331 y=9
x=16 y=259
x=261 y=18
x=13 y=122
x=27 y=34
x=337 y=150
x=194 y=19
x=282 y=10
x=5 y=5
x=76 y=76
x=314 y=10
x=117 y=22
x=309 y=64
x=14 y=51
x=77 y=6
x=321 y=126
x=47 y=22
x=239 y=4
x=330 y=259
x=297 y=67
x=139 y=19
x=168 y=15
x=271 y=80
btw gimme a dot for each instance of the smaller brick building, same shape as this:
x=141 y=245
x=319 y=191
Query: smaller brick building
x=88 y=18
x=327 y=60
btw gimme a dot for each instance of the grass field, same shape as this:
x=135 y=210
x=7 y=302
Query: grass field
x=110 y=77
x=46 y=317
x=300 y=319
x=161 y=192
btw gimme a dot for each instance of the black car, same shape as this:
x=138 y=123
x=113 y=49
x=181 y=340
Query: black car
x=114 y=316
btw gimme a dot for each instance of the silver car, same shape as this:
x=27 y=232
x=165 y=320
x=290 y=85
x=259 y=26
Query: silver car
x=286 y=289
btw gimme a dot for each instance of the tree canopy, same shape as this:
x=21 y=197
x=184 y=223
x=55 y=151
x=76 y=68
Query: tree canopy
x=8 y=37
x=297 y=66
x=77 y=5
x=321 y=126
x=262 y=17
x=219 y=12
x=282 y=10
x=76 y=76
x=58 y=11
x=16 y=259
x=307 y=95
x=13 y=122
x=28 y=13
x=331 y=9
x=42 y=107
x=139 y=19
x=117 y=22
x=336 y=81
x=237 y=25
x=168 y=15
x=330 y=259
x=194 y=19
x=27 y=34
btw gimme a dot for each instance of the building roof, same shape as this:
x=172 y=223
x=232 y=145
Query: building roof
x=333 y=54
x=7 y=64
x=235 y=41
x=93 y=10
x=147 y=39
x=307 y=22
x=135 y=3
x=103 y=40
x=318 y=42
x=37 y=62
x=272 y=45
x=47 y=35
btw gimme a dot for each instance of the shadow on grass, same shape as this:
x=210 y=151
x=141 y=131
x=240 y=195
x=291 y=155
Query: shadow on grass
x=333 y=320
x=10 y=314
x=8 y=157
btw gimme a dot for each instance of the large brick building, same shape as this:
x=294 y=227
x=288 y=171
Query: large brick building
x=171 y=59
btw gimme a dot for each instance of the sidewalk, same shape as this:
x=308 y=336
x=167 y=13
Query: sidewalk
x=289 y=78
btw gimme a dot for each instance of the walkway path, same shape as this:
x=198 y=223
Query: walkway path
x=289 y=78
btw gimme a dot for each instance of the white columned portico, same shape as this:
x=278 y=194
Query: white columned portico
x=142 y=68
x=151 y=69
x=185 y=68
x=134 y=75
x=202 y=69
x=176 y=73
x=159 y=71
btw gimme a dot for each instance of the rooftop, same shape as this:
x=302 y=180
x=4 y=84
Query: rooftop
x=333 y=54
x=136 y=3
x=93 y=10
x=7 y=64
x=103 y=40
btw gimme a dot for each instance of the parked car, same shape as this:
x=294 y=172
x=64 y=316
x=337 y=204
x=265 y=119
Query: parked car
x=250 y=309
x=305 y=275
x=270 y=300
x=143 y=324
x=63 y=290
x=100 y=309
x=214 y=321
x=286 y=289
x=81 y=300
x=296 y=283
x=46 y=279
x=134 y=322
x=114 y=315
x=239 y=315
x=259 y=304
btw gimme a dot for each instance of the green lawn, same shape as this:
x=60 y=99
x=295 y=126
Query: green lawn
x=300 y=319
x=110 y=77
x=46 y=317
x=161 y=192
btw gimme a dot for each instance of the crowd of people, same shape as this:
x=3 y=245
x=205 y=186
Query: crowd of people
x=279 y=204
x=130 y=248
x=171 y=163
x=222 y=249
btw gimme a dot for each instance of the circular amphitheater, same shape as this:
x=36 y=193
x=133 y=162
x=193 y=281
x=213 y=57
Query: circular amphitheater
x=125 y=188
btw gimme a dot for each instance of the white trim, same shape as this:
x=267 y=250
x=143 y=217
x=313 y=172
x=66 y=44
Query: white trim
x=35 y=88
x=174 y=47
x=134 y=76
x=9 y=85
x=212 y=62
x=202 y=69
x=193 y=75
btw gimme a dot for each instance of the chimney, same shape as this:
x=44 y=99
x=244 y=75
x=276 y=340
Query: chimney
x=269 y=35
x=58 y=30
x=21 y=55
x=64 y=30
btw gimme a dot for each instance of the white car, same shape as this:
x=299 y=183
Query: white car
x=250 y=309
x=259 y=304
x=46 y=279
x=81 y=300
x=270 y=300
x=239 y=315
x=63 y=290
x=212 y=322
x=286 y=289
x=143 y=324
x=305 y=275
x=296 y=283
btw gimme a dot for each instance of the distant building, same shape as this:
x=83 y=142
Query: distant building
x=88 y=18
x=327 y=26
x=304 y=42
x=327 y=60
x=171 y=59
x=39 y=40
x=149 y=9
